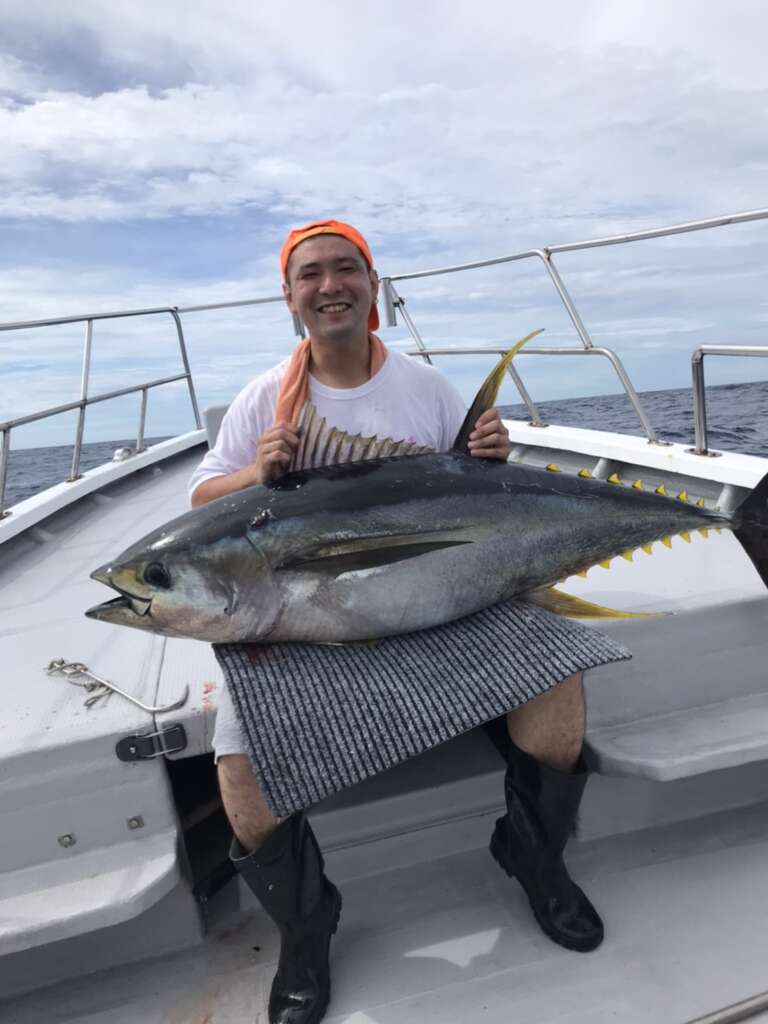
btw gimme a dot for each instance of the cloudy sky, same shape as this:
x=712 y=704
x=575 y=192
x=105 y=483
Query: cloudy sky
x=156 y=153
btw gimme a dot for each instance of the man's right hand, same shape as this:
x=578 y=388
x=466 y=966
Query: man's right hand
x=273 y=456
x=274 y=451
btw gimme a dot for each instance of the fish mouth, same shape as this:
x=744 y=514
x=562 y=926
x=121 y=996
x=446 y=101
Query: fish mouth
x=126 y=602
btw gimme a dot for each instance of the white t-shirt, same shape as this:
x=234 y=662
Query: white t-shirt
x=407 y=400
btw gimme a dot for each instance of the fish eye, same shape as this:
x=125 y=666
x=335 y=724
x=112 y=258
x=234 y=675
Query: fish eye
x=157 y=576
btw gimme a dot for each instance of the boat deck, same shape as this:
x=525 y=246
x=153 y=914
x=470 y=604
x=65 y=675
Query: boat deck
x=450 y=939
x=674 y=828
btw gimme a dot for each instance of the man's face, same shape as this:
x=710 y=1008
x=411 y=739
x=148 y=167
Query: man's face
x=330 y=287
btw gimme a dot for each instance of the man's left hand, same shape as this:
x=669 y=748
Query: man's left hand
x=490 y=438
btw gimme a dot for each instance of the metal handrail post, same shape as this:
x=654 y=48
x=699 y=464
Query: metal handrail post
x=699 y=404
x=74 y=473
x=621 y=373
x=5 y=451
x=699 y=389
x=390 y=306
x=573 y=313
x=188 y=373
x=398 y=302
x=142 y=420
x=533 y=412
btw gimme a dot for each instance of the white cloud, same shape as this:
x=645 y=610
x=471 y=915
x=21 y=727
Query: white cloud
x=447 y=137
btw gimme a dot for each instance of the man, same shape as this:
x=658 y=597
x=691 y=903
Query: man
x=343 y=368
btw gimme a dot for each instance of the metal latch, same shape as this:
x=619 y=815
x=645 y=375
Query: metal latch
x=141 y=747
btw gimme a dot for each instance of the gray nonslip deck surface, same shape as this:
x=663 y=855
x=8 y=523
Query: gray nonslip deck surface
x=448 y=939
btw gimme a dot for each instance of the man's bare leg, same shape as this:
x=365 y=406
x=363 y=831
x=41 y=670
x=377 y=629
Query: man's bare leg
x=251 y=820
x=551 y=727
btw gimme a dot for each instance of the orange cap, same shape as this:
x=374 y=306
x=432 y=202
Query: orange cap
x=329 y=227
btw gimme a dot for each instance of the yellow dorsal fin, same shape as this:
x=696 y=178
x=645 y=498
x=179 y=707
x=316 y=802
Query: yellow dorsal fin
x=661 y=489
x=638 y=485
x=614 y=478
x=667 y=542
x=486 y=397
x=552 y=467
x=577 y=608
x=682 y=496
x=686 y=536
x=628 y=555
x=647 y=548
x=585 y=474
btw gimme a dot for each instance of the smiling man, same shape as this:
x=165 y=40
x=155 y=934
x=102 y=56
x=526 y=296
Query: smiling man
x=352 y=380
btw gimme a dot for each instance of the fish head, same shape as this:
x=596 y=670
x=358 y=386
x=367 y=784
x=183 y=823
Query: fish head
x=217 y=592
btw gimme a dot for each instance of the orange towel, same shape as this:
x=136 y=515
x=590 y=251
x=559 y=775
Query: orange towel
x=294 y=390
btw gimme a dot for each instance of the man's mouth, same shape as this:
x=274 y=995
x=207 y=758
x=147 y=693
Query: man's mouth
x=334 y=307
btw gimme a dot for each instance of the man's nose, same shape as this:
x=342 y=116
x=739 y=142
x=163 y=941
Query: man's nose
x=330 y=281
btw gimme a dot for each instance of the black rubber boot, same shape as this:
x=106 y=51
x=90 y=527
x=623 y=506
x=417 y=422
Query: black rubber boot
x=528 y=843
x=286 y=874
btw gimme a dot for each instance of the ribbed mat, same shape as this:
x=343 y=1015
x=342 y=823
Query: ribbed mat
x=318 y=718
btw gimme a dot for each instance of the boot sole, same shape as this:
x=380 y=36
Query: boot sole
x=321 y=1008
x=585 y=946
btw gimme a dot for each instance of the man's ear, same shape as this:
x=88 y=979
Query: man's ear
x=288 y=297
x=374 y=279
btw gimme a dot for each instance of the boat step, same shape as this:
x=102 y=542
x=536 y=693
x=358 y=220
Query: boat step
x=62 y=899
x=684 y=743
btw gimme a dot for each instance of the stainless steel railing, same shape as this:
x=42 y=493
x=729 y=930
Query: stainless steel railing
x=699 y=391
x=87 y=400
x=394 y=303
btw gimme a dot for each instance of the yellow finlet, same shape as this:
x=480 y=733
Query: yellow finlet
x=614 y=479
x=700 y=503
x=686 y=536
x=682 y=496
x=667 y=542
x=552 y=467
x=718 y=530
x=628 y=555
x=638 y=485
x=582 y=572
x=704 y=532
x=647 y=548
x=661 y=489
x=585 y=474
x=577 y=608
x=606 y=564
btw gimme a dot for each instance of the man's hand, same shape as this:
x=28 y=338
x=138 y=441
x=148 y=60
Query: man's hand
x=274 y=451
x=490 y=438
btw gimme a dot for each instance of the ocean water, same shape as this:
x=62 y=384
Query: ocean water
x=737 y=419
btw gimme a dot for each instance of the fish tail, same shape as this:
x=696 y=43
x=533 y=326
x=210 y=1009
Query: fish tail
x=752 y=531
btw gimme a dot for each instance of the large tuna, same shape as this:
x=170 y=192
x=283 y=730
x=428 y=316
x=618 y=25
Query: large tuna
x=390 y=545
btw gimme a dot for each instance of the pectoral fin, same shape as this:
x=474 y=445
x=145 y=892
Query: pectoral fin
x=571 y=607
x=371 y=552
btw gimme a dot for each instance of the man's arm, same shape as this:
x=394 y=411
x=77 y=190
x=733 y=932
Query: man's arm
x=273 y=455
x=490 y=438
